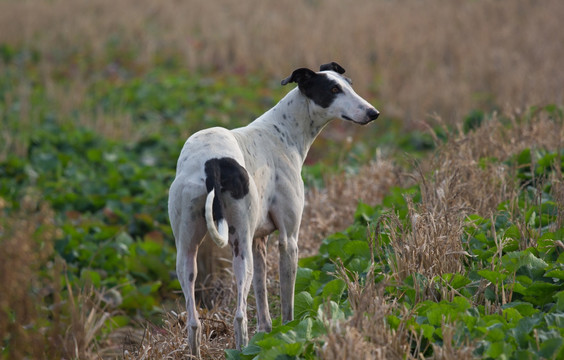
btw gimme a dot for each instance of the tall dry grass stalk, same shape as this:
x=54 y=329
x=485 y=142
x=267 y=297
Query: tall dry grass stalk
x=331 y=208
x=169 y=340
x=454 y=183
x=40 y=318
x=414 y=57
x=367 y=333
x=23 y=249
x=429 y=246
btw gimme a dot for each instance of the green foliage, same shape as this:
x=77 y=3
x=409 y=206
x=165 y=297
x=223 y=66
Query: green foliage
x=525 y=283
x=110 y=199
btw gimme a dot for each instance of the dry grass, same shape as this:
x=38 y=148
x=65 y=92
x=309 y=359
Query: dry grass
x=169 y=340
x=327 y=210
x=367 y=333
x=20 y=261
x=39 y=317
x=455 y=184
x=332 y=208
x=414 y=57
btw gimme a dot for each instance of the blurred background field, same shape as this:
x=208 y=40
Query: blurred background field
x=413 y=59
x=97 y=98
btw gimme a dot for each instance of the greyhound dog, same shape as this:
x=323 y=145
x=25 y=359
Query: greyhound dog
x=240 y=185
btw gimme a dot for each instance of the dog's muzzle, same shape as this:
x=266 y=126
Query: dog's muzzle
x=369 y=115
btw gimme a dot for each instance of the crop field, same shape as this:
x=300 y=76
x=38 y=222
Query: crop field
x=436 y=232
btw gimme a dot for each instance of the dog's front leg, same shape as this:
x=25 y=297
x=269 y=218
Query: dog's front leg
x=288 y=246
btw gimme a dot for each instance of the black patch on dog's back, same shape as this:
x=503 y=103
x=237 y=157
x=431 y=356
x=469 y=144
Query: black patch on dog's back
x=232 y=177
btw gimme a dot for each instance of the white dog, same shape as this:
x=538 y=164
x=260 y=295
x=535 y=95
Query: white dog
x=241 y=185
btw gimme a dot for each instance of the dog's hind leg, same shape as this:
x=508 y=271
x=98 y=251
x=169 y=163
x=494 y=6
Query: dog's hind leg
x=242 y=225
x=259 y=284
x=189 y=230
x=243 y=269
x=187 y=271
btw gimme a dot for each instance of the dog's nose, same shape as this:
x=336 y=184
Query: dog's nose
x=372 y=114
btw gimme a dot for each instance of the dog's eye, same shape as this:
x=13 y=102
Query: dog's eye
x=335 y=89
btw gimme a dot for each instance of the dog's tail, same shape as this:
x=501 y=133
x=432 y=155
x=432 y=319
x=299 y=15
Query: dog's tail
x=223 y=175
x=218 y=234
x=214 y=208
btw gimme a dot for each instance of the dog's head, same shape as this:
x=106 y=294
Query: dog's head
x=333 y=92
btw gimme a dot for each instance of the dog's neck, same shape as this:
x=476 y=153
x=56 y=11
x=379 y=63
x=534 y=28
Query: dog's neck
x=295 y=121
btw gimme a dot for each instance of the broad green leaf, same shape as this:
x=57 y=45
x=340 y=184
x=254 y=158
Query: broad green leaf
x=428 y=331
x=393 y=321
x=251 y=349
x=231 y=354
x=555 y=273
x=462 y=304
x=335 y=249
x=527 y=324
x=335 y=312
x=524 y=308
x=496 y=349
x=303 y=303
x=514 y=260
x=150 y=288
x=437 y=313
x=496 y=333
x=541 y=293
x=304 y=329
x=334 y=289
x=493 y=276
x=357 y=248
x=284 y=351
x=90 y=277
x=512 y=315
x=555 y=320
x=559 y=297
x=526 y=354
x=304 y=277
x=117 y=321
x=457 y=281
x=513 y=232
x=364 y=212
x=551 y=347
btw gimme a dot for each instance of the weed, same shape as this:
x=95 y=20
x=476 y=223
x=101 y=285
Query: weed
x=40 y=316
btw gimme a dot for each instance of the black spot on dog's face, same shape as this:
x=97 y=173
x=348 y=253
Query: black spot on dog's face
x=236 y=247
x=191 y=277
x=321 y=89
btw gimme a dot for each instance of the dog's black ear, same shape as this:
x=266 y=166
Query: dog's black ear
x=332 y=66
x=299 y=76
